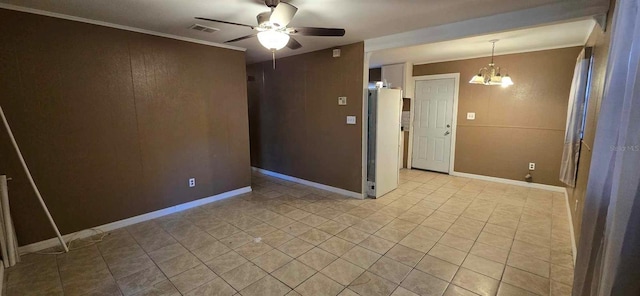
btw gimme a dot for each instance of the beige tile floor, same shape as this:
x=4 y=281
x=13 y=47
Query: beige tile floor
x=434 y=235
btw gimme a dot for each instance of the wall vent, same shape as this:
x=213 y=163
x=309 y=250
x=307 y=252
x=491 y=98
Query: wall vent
x=205 y=29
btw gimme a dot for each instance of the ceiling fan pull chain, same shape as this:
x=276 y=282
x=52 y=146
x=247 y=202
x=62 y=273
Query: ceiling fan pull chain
x=273 y=54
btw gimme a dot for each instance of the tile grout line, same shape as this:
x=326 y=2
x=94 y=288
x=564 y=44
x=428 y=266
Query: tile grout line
x=344 y=207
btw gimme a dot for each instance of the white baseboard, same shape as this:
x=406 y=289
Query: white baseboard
x=509 y=181
x=310 y=183
x=39 y=246
x=574 y=249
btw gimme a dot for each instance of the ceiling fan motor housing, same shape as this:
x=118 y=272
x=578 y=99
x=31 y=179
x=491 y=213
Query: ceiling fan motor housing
x=272 y=3
x=263 y=18
x=272 y=30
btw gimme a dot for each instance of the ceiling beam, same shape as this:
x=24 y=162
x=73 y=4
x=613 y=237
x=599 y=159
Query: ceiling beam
x=520 y=19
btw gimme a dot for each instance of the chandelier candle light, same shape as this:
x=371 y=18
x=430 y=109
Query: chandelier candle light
x=490 y=75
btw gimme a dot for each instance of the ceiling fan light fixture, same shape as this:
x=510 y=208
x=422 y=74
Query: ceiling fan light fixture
x=273 y=40
x=273 y=31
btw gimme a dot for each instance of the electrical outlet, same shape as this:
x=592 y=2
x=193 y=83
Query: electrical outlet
x=532 y=166
x=471 y=115
x=192 y=182
x=351 y=120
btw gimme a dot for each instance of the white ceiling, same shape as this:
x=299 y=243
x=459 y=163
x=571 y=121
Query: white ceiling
x=362 y=19
x=531 y=39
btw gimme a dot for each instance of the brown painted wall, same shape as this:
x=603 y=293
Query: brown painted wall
x=297 y=127
x=113 y=123
x=599 y=40
x=516 y=125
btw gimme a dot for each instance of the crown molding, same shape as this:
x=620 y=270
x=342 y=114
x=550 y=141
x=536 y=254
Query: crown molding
x=115 y=26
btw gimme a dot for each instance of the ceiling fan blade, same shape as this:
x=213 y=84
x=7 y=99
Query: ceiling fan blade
x=293 y=44
x=311 y=31
x=224 y=22
x=241 y=38
x=282 y=14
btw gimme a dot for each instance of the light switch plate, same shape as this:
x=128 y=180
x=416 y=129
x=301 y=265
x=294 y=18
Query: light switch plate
x=342 y=101
x=351 y=120
x=471 y=115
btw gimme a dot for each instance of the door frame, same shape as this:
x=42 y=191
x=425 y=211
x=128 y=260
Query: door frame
x=364 y=121
x=454 y=119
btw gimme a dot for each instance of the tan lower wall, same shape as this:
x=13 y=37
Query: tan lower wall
x=516 y=125
x=505 y=152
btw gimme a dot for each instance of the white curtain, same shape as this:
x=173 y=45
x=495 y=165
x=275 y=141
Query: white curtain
x=609 y=248
x=575 y=116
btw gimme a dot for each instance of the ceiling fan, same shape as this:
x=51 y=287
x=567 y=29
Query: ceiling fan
x=273 y=32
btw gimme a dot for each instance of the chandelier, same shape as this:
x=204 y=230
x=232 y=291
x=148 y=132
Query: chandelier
x=490 y=75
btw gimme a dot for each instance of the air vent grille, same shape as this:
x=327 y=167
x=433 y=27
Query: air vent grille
x=205 y=29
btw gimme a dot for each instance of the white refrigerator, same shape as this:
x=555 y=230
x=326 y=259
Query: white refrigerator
x=383 y=140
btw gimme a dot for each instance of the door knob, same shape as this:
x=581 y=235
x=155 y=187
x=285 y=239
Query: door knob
x=446 y=133
x=448 y=125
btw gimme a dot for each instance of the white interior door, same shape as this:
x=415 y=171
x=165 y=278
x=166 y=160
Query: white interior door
x=432 y=121
x=387 y=145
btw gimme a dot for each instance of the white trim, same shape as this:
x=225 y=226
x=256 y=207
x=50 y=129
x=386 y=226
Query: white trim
x=454 y=119
x=408 y=91
x=309 y=183
x=411 y=115
x=133 y=220
x=574 y=248
x=595 y=23
x=509 y=181
x=115 y=26
x=365 y=123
